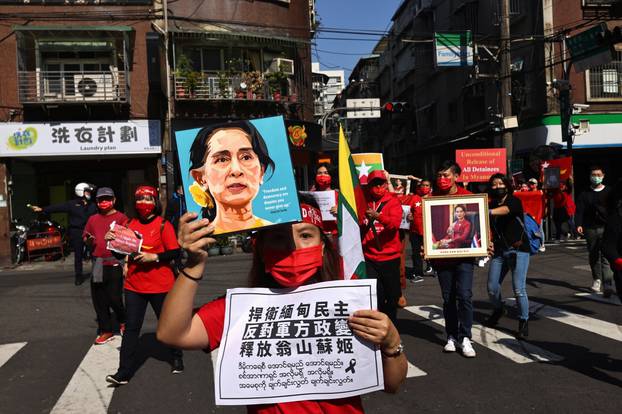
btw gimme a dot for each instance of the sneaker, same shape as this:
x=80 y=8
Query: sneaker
x=121 y=329
x=493 y=319
x=542 y=249
x=78 y=279
x=178 y=366
x=429 y=269
x=450 y=346
x=116 y=379
x=401 y=302
x=467 y=348
x=416 y=279
x=596 y=286
x=103 y=338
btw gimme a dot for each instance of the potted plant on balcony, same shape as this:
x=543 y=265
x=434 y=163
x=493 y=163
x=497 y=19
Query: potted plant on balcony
x=223 y=84
x=188 y=78
x=277 y=81
x=254 y=84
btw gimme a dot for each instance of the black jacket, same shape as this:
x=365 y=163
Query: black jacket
x=78 y=212
x=592 y=208
x=612 y=239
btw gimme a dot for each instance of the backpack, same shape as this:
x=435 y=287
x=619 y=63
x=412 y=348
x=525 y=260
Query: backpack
x=532 y=230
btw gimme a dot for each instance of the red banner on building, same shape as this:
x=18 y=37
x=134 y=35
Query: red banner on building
x=479 y=164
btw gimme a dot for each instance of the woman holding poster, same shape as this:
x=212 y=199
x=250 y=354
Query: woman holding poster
x=286 y=256
x=148 y=278
x=228 y=165
x=323 y=182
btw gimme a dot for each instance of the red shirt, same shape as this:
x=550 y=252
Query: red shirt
x=416 y=209
x=97 y=226
x=385 y=244
x=213 y=316
x=152 y=277
x=460 y=237
x=460 y=191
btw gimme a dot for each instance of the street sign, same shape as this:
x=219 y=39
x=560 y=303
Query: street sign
x=368 y=108
x=586 y=49
x=454 y=49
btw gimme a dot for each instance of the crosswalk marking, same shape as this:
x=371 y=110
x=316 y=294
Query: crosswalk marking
x=87 y=391
x=520 y=352
x=587 y=268
x=573 y=247
x=596 y=326
x=613 y=300
x=8 y=350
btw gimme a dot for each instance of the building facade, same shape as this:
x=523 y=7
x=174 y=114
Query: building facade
x=330 y=90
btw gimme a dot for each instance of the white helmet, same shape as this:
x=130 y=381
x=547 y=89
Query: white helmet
x=81 y=188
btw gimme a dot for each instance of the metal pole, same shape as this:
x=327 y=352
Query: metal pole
x=168 y=147
x=506 y=79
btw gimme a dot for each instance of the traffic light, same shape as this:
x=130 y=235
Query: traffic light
x=396 y=107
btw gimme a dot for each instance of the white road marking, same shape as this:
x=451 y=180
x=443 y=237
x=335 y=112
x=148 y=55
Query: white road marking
x=8 y=350
x=413 y=371
x=521 y=352
x=87 y=391
x=613 y=300
x=587 y=268
x=573 y=247
x=596 y=326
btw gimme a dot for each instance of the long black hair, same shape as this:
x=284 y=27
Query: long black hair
x=200 y=149
x=331 y=267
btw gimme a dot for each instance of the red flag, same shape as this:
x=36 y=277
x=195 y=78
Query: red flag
x=564 y=164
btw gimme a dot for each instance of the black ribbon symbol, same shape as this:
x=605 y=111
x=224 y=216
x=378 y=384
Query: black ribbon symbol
x=352 y=365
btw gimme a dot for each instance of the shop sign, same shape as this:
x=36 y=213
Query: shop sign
x=479 y=164
x=80 y=138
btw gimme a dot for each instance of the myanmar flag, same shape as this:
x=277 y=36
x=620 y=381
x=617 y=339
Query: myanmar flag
x=364 y=163
x=351 y=201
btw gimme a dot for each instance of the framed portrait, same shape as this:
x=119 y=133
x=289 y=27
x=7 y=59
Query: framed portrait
x=239 y=174
x=551 y=179
x=400 y=183
x=455 y=226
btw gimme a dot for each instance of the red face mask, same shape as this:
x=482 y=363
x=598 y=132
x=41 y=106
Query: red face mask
x=443 y=183
x=293 y=268
x=377 y=192
x=323 y=181
x=422 y=191
x=105 y=205
x=144 y=209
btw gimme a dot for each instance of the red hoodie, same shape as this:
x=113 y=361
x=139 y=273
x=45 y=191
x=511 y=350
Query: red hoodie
x=385 y=244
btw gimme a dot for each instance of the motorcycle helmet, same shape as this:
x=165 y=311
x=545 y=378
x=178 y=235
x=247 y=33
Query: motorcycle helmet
x=81 y=187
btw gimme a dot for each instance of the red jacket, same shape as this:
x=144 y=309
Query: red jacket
x=461 y=231
x=385 y=244
x=416 y=209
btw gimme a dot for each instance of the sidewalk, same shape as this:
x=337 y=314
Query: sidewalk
x=39 y=264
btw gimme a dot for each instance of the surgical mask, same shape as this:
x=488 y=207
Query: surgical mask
x=498 y=192
x=377 y=192
x=423 y=191
x=323 y=181
x=443 y=183
x=596 y=180
x=144 y=209
x=105 y=205
x=87 y=196
x=293 y=268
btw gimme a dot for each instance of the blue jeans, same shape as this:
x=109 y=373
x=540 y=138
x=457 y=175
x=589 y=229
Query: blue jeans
x=456 y=287
x=518 y=263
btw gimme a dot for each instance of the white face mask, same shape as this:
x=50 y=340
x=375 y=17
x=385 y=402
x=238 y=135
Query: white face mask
x=596 y=180
x=87 y=196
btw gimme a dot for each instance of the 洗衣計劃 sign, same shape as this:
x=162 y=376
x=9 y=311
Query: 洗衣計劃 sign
x=80 y=138
x=479 y=164
x=293 y=345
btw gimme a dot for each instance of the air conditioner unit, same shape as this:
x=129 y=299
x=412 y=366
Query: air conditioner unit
x=285 y=65
x=94 y=87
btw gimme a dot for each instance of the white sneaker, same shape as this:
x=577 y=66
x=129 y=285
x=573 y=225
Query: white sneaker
x=467 y=348
x=596 y=286
x=450 y=346
x=542 y=249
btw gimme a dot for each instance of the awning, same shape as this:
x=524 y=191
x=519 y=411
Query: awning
x=240 y=33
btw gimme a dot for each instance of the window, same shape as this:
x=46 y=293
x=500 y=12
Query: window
x=604 y=81
x=205 y=59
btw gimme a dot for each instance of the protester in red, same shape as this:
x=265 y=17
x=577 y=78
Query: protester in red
x=382 y=247
x=416 y=227
x=323 y=182
x=107 y=273
x=285 y=256
x=148 y=278
x=455 y=276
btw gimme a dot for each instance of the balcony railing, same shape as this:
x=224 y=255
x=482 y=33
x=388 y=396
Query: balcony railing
x=605 y=82
x=212 y=86
x=71 y=86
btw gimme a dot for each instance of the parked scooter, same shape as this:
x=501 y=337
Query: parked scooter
x=18 y=235
x=43 y=227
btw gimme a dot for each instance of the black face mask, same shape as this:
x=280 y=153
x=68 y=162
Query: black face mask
x=498 y=192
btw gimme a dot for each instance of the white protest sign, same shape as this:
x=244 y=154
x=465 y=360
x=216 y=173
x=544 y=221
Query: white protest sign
x=405 y=224
x=282 y=345
x=325 y=200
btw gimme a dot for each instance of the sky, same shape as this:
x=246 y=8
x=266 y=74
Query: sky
x=349 y=14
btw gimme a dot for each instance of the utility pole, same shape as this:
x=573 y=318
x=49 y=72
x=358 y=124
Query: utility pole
x=506 y=78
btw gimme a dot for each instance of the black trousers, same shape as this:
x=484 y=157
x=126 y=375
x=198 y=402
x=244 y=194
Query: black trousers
x=416 y=243
x=136 y=306
x=107 y=295
x=388 y=275
x=77 y=245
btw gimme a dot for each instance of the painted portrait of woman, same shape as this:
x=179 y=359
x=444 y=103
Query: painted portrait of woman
x=228 y=163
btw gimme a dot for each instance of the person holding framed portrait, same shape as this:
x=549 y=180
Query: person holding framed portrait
x=455 y=276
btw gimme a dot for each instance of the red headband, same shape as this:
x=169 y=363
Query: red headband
x=144 y=190
x=311 y=215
